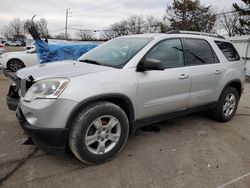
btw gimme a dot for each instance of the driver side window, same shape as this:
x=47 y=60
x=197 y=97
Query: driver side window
x=169 y=52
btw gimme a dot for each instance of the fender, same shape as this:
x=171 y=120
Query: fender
x=112 y=97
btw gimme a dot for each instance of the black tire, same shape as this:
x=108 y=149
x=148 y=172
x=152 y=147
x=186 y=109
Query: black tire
x=15 y=64
x=84 y=122
x=218 y=113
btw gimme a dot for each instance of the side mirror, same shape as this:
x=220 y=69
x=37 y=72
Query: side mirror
x=150 y=64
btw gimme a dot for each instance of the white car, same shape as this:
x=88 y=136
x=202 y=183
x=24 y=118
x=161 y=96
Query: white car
x=30 y=45
x=14 y=61
x=13 y=43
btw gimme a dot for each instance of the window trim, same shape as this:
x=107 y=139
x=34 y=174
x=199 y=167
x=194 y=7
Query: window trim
x=163 y=40
x=186 y=52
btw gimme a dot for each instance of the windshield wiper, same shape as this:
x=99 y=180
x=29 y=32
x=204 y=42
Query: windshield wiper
x=90 y=61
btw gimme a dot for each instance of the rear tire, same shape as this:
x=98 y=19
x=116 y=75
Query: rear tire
x=15 y=64
x=99 y=132
x=227 y=105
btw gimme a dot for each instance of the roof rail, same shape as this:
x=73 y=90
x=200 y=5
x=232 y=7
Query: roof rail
x=195 y=33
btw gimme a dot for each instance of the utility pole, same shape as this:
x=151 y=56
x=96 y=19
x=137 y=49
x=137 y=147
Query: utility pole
x=66 y=25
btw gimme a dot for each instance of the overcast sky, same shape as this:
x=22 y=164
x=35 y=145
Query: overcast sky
x=89 y=14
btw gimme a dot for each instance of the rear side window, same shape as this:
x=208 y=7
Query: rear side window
x=199 y=52
x=228 y=50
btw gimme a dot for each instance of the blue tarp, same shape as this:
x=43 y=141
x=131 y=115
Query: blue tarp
x=58 y=52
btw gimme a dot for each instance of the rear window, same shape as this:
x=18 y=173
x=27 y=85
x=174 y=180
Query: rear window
x=228 y=50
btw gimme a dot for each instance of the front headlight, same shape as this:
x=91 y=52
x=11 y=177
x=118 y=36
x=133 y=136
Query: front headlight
x=49 y=88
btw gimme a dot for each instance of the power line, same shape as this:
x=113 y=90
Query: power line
x=110 y=9
x=61 y=14
x=226 y=13
x=100 y=6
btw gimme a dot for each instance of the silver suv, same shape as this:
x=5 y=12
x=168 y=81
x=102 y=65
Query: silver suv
x=91 y=105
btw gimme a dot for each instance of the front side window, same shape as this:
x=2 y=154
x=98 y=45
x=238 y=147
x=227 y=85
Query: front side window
x=169 y=52
x=116 y=52
x=228 y=50
x=199 y=52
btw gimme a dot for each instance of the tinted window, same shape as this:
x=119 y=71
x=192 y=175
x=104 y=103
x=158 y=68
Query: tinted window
x=228 y=50
x=199 y=52
x=170 y=52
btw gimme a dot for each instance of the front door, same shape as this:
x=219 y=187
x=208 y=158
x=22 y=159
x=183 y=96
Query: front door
x=161 y=92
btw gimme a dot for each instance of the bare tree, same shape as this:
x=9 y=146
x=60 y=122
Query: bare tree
x=108 y=34
x=7 y=32
x=16 y=25
x=230 y=22
x=116 y=30
x=136 y=24
x=152 y=25
x=60 y=36
x=42 y=26
x=85 y=35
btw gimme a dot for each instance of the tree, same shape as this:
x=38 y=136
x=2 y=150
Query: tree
x=116 y=30
x=40 y=25
x=7 y=32
x=152 y=25
x=85 y=35
x=16 y=26
x=132 y=25
x=244 y=13
x=60 y=36
x=190 y=15
x=230 y=22
x=136 y=24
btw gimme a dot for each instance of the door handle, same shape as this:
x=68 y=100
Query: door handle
x=217 y=72
x=183 y=76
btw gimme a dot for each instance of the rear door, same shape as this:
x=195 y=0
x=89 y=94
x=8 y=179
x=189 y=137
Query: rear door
x=161 y=92
x=206 y=71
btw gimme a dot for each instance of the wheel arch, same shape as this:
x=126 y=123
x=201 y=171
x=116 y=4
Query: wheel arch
x=236 y=84
x=119 y=99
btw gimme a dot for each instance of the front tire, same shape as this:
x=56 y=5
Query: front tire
x=227 y=105
x=99 y=132
x=15 y=64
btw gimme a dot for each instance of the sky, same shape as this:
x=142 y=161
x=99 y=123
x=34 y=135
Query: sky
x=89 y=14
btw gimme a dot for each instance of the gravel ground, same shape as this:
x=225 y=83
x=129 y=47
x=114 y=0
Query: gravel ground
x=193 y=151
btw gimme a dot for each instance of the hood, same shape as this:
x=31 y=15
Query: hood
x=64 y=69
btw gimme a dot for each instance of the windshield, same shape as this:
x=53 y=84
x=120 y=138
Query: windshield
x=116 y=52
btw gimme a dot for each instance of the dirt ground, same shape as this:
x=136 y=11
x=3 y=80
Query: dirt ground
x=192 y=151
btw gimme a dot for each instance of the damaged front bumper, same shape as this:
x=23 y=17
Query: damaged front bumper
x=51 y=140
x=17 y=88
x=12 y=98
